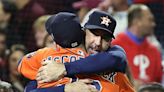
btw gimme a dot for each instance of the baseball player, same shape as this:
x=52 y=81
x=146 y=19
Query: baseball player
x=99 y=32
x=100 y=83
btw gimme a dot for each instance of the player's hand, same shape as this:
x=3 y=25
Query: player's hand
x=83 y=85
x=50 y=71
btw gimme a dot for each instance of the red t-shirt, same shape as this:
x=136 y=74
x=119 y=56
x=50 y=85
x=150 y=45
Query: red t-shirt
x=144 y=59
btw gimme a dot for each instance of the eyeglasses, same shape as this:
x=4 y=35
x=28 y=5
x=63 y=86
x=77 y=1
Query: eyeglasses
x=105 y=35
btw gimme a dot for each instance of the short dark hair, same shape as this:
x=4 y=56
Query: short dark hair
x=135 y=12
x=151 y=87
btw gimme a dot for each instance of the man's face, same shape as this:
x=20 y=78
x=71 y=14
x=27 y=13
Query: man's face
x=97 y=41
x=147 y=23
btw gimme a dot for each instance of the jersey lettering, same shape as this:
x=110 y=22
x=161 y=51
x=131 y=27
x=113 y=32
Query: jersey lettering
x=143 y=63
x=67 y=58
x=73 y=58
x=108 y=76
x=64 y=58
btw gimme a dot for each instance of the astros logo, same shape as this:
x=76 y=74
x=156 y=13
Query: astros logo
x=105 y=21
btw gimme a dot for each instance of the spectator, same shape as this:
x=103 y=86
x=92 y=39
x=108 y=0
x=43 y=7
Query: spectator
x=6 y=9
x=2 y=54
x=152 y=87
x=17 y=51
x=5 y=15
x=21 y=22
x=144 y=59
x=120 y=13
x=157 y=8
x=39 y=30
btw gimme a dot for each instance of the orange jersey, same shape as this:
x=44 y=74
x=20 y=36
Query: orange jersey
x=111 y=82
x=30 y=64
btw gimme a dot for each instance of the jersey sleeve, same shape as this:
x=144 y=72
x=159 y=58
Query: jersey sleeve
x=113 y=60
x=32 y=87
x=123 y=82
x=28 y=66
x=50 y=89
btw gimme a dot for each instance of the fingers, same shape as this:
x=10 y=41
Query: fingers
x=86 y=81
x=38 y=77
x=92 y=89
x=44 y=62
x=41 y=75
x=41 y=69
x=42 y=79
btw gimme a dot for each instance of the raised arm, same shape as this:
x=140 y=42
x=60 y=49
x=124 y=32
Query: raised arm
x=114 y=60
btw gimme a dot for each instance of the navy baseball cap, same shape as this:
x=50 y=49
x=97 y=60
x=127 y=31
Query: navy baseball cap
x=65 y=29
x=101 y=20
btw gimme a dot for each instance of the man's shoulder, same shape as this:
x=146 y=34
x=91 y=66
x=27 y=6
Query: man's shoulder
x=117 y=48
x=152 y=48
x=40 y=52
x=117 y=51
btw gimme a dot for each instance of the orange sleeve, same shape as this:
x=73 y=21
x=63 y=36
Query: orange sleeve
x=29 y=65
x=124 y=83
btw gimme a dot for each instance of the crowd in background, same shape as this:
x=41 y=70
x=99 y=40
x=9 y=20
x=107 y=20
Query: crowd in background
x=22 y=30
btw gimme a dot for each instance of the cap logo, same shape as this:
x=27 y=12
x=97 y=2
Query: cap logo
x=105 y=21
x=74 y=44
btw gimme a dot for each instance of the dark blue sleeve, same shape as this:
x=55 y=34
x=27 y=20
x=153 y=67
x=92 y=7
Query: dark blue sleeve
x=114 y=60
x=32 y=87
x=50 y=89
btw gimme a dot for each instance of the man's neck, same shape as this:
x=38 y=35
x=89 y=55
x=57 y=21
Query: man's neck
x=135 y=32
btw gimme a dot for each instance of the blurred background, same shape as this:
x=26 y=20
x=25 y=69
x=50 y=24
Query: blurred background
x=22 y=31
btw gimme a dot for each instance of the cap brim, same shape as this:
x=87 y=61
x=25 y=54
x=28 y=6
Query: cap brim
x=97 y=27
